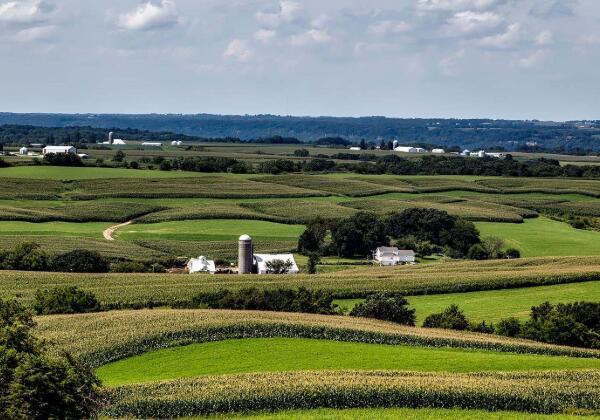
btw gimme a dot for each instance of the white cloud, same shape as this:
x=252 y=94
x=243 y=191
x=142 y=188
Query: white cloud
x=238 y=49
x=312 y=36
x=544 y=38
x=506 y=39
x=468 y=21
x=149 y=16
x=454 y=5
x=531 y=60
x=389 y=27
x=25 y=12
x=36 y=33
x=320 y=21
x=590 y=40
x=265 y=35
x=288 y=12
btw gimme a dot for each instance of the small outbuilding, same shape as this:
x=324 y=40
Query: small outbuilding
x=466 y=152
x=262 y=260
x=387 y=256
x=23 y=151
x=201 y=265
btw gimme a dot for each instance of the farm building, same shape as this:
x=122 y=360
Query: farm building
x=409 y=149
x=151 y=144
x=23 y=150
x=261 y=261
x=355 y=148
x=438 y=151
x=59 y=149
x=387 y=256
x=466 y=152
x=201 y=265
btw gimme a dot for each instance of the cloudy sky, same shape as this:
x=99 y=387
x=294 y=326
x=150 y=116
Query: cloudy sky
x=519 y=59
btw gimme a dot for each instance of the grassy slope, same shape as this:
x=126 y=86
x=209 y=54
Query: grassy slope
x=497 y=304
x=88 y=229
x=292 y=354
x=398 y=413
x=211 y=230
x=544 y=237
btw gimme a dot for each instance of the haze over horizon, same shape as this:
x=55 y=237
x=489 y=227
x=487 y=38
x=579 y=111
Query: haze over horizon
x=503 y=59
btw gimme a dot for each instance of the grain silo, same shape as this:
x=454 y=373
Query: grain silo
x=110 y=137
x=245 y=255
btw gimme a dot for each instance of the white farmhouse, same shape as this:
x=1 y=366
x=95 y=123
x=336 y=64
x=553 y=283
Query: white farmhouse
x=386 y=256
x=48 y=150
x=201 y=265
x=466 y=152
x=262 y=260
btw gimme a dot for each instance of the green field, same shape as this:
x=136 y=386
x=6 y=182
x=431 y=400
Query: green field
x=399 y=413
x=493 y=305
x=211 y=230
x=88 y=229
x=544 y=237
x=73 y=173
x=293 y=354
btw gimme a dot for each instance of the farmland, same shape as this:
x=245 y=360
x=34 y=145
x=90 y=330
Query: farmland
x=154 y=362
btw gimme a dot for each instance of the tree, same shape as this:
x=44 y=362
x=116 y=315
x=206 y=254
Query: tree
x=312 y=239
x=81 y=261
x=63 y=159
x=494 y=247
x=513 y=253
x=35 y=384
x=358 y=235
x=26 y=256
x=65 y=300
x=387 y=307
x=313 y=261
x=509 y=327
x=477 y=252
x=119 y=156
x=452 y=318
x=301 y=153
x=279 y=266
x=462 y=236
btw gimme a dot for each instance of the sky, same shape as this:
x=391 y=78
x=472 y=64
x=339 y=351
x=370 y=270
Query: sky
x=513 y=59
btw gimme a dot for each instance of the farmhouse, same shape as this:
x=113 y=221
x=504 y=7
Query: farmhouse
x=387 y=256
x=48 y=150
x=201 y=265
x=261 y=261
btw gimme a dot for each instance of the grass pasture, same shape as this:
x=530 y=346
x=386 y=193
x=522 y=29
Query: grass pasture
x=544 y=237
x=296 y=354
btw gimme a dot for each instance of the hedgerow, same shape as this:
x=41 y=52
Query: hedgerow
x=535 y=392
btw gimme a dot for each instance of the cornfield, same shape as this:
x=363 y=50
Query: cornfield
x=102 y=338
x=536 y=392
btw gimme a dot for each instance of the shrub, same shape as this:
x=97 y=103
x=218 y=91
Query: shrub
x=477 y=252
x=301 y=153
x=387 y=307
x=35 y=385
x=65 y=300
x=312 y=239
x=313 y=261
x=81 y=261
x=509 y=327
x=452 y=318
x=494 y=247
x=481 y=327
x=512 y=253
x=279 y=266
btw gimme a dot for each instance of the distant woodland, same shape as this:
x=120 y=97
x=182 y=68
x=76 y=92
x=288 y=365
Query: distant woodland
x=569 y=137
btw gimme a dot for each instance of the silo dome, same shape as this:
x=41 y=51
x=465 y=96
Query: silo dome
x=245 y=238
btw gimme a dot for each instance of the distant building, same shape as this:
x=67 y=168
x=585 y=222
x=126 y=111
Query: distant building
x=151 y=144
x=395 y=144
x=356 y=148
x=48 y=150
x=409 y=149
x=386 y=256
x=497 y=155
x=176 y=143
x=201 y=265
x=481 y=154
x=23 y=150
x=438 y=151
x=82 y=155
x=119 y=142
x=262 y=260
x=466 y=152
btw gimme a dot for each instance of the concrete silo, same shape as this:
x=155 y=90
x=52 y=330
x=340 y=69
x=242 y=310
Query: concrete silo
x=245 y=255
x=110 y=137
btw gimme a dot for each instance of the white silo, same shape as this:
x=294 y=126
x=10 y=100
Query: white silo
x=245 y=255
x=395 y=144
x=110 y=137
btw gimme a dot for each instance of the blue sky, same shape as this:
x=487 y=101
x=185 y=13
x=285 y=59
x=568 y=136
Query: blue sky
x=520 y=59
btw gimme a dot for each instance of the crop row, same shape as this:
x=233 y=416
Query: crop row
x=138 y=290
x=536 y=392
x=100 y=338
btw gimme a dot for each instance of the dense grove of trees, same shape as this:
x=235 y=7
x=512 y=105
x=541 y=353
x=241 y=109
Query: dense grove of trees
x=472 y=133
x=30 y=257
x=35 y=384
x=362 y=233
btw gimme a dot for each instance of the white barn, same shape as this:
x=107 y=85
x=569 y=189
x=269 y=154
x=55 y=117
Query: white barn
x=151 y=144
x=59 y=149
x=201 y=265
x=262 y=260
x=405 y=149
x=386 y=256
x=438 y=151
